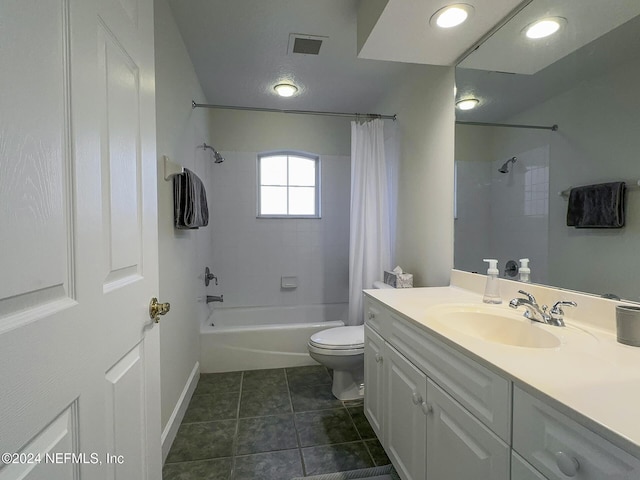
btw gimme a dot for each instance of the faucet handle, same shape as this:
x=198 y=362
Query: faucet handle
x=557 y=307
x=208 y=276
x=531 y=298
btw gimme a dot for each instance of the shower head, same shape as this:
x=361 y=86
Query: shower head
x=217 y=158
x=505 y=166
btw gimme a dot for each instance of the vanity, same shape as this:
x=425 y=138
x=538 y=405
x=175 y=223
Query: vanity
x=456 y=389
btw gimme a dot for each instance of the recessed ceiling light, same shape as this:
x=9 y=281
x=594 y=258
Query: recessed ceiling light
x=544 y=27
x=451 y=15
x=467 y=103
x=285 y=89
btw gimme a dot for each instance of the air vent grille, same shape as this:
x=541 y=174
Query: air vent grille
x=305 y=44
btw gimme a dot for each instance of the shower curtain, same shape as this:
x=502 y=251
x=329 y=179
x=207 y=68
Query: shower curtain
x=370 y=238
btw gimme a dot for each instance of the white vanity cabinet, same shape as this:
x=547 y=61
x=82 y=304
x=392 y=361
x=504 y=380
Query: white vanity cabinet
x=441 y=415
x=426 y=432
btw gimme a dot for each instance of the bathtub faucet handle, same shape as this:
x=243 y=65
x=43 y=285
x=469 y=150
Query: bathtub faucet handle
x=214 y=298
x=208 y=276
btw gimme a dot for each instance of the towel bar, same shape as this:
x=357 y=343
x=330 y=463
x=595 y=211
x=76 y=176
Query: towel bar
x=171 y=168
x=631 y=185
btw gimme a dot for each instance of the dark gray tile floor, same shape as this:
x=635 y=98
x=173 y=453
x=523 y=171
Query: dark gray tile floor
x=270 y=424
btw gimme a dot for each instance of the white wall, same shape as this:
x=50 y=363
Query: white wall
x=424 y=103
x=182 y=253
x=249 y=254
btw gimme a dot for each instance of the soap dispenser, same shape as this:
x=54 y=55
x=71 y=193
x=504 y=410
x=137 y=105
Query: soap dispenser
x=524 y=272
x=492 y=290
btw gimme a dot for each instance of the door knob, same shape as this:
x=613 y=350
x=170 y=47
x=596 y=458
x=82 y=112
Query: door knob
x=156 y=309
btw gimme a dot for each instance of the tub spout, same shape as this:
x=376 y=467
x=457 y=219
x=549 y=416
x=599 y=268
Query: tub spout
x=214 y=298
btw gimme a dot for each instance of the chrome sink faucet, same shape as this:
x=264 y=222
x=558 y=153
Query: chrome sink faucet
x=536 y=313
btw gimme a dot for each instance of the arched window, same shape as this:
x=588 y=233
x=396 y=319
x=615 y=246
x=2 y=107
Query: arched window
x=288 y=185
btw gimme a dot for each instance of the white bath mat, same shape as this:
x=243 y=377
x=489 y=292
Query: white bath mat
x=376 y=473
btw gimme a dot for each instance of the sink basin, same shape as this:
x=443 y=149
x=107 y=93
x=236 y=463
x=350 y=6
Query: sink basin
x=495 y=324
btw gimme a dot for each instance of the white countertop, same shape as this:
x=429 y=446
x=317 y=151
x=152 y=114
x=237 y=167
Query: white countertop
x=590 y=377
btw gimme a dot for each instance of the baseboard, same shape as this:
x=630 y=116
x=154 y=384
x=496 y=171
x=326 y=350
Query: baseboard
x=171 y=430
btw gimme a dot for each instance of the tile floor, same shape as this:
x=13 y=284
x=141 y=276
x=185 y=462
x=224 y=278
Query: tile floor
x=270 y=424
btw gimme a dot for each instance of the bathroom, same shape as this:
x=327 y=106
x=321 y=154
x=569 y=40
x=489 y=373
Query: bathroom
x=247 y=255
x=296 y=271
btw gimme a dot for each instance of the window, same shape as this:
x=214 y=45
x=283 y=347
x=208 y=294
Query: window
x=288 y=185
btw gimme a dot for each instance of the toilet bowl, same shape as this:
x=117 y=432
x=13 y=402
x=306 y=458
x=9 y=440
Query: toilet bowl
x=342 y=350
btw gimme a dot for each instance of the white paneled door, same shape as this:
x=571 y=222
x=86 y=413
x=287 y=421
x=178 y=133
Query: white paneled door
x=79 y=359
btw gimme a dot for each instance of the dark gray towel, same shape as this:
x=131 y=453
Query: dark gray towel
x=189 y=201
x=597 y=206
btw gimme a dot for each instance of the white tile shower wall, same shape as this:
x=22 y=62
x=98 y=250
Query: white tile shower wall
x=520 y=210
x=251 y=254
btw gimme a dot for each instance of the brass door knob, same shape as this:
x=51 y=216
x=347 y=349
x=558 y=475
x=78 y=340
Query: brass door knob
x=156 y=309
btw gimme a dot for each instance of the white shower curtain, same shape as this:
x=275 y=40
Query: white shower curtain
x=369 y=242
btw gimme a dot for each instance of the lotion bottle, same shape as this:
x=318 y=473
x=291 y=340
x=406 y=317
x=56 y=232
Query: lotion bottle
x=524 y=272
x=492 y=290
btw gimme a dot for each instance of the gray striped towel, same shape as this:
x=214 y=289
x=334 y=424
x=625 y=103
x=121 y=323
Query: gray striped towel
x=190 y=201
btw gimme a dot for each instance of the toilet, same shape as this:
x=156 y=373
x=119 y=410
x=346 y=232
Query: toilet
x=342 y=350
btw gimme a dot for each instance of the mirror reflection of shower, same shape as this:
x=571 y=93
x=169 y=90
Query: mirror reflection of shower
x=505 y=166
x=217 y=158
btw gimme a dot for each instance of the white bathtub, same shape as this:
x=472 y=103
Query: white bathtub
x=263 y=337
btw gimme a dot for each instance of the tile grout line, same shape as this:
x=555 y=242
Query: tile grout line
x=234 y=447
x=295 y=425
x=360 y=436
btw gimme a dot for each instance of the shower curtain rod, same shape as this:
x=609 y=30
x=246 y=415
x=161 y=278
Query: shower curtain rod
x=553 y=128
x=299 y=112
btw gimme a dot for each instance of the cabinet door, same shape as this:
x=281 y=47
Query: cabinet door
x=374 y=380
x=521 y=470
x=459 y=447
x=405 y=424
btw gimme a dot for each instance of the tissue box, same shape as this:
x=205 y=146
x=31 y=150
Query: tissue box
x=398 y=280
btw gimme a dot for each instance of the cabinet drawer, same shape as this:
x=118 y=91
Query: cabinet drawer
x=521 y=470
x=486 y=395
x=375 y=315
x=560 y=448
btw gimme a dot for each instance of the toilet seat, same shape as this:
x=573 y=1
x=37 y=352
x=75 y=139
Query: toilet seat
x=334 y=352
x=339 y=339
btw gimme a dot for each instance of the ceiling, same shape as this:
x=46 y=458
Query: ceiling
x=497 y=75
x=240 y=48
x=508 y=50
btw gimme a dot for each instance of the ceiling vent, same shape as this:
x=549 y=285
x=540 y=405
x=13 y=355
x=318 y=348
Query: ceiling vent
x=305 y=44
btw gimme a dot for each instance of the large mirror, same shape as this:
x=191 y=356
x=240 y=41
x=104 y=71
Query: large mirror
x=512 y=183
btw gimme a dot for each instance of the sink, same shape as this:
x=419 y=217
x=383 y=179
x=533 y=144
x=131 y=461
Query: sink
x=495 y=324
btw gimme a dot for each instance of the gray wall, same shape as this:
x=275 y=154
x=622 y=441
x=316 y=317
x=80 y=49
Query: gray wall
x=182 y=253
x=424 y=103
